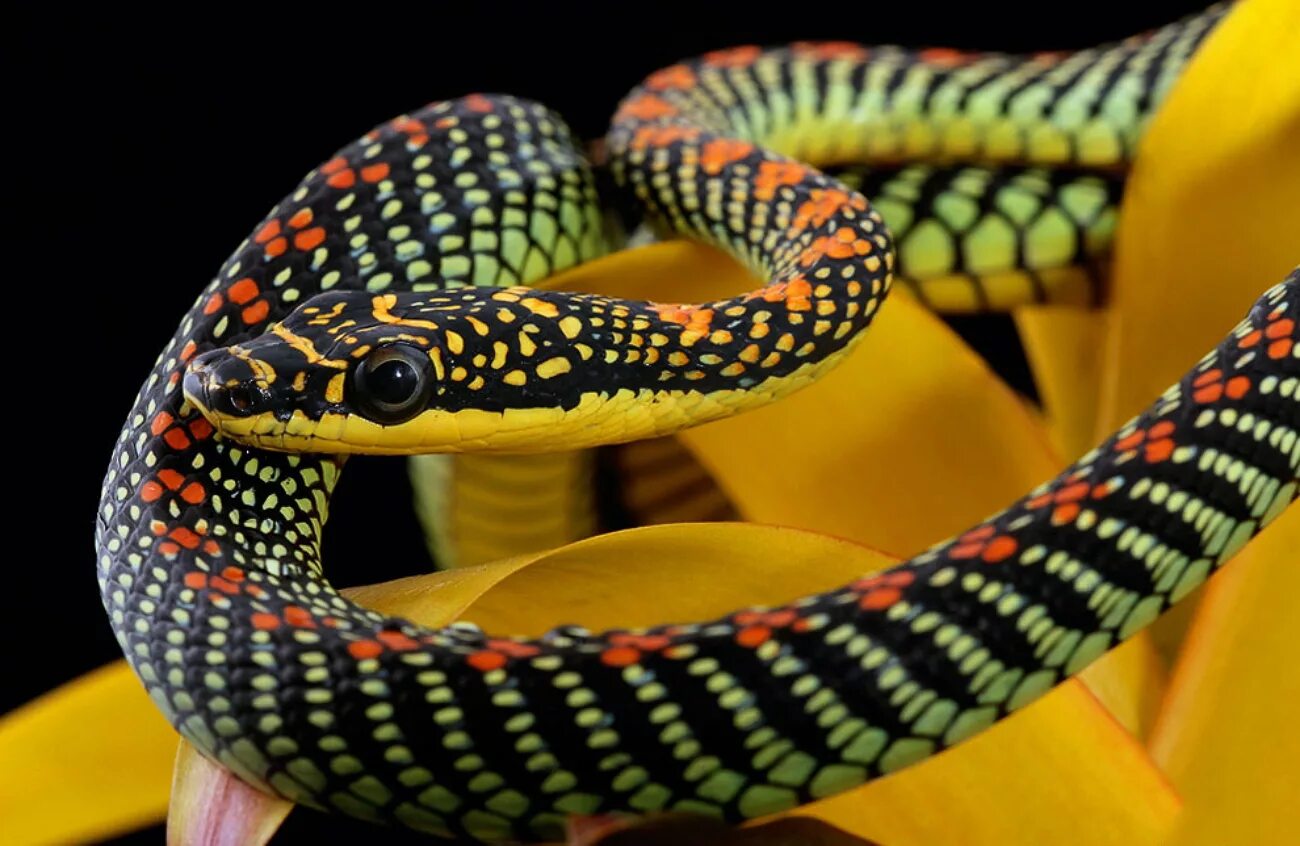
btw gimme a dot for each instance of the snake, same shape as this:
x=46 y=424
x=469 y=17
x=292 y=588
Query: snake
x=384 y=307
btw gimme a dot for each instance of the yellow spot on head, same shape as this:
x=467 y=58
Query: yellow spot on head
x=334 y=389
x=515 y=377
x=455 y=343
x=526 y=345
x=570 y=326
x=499 y=353
x=542 y=307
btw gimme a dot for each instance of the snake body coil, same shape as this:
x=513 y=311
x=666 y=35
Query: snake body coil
x=209 y=551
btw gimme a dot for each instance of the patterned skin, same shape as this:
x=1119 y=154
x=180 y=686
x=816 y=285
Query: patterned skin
x=209 y=554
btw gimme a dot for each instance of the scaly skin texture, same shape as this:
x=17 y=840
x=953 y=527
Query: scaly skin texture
x=210 y=569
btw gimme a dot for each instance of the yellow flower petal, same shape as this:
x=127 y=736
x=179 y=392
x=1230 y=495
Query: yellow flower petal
x=1064 y=346
x=1227 y=735
x=1210 y=217
x=211 y=806
x=90 y=760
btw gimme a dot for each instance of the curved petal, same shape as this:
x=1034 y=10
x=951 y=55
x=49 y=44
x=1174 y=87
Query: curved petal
x=85 y=762
x=209 y=807
x=1227 y=734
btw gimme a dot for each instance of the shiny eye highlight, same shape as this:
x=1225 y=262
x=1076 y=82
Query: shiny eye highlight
x=392 y=384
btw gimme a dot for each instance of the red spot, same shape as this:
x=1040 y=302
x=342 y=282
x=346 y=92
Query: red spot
x=1236 y=388
x=880 y=598
x=161 y=422
x=176 y=439
x=334 y=165
x=187 y=351
x=647 y=643
x=620 y=656
x=1280 y=329
x=277 y=247
x=1063 y=514
x=168 y=548
x=211 y=547
x=297 y=616
x=268 y=231
x=1207 y=377
x=374 y=172
x=1250 y=339
x=264 y=621
x=309 y=239
x=1158 y=451
x=214 y=302
x=1129 y=441
x=965 y=550
x=1000 y=548
x=677 y=76
x=478 y=103
x=486 y=660
x=233 y=574
x=362 y=649
x=185 y=537
x=196 y=580
x=193 y=493
x=256 y=313
x=721 y=152
x=342 y=179
x=407 y=124
x=397 y=641
x=170 y=478
x=1070 y=493
x=1280 y=348
x=753 y=636
x=732 y=57
x=978 y=534
x=1210 y=393
x=300 y=218
x=224 y=586
x=514 y=649
x=150 y=491
x=647 y=107
x=201 y=428
x=942 y=56
x=243 y=291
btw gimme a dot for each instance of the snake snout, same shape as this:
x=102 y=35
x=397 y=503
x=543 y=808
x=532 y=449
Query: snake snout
x=223 y=384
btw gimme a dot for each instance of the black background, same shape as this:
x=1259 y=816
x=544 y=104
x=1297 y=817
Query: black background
x=145 y=148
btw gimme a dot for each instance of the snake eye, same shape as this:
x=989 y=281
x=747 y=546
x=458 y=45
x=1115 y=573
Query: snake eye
x=392 y=384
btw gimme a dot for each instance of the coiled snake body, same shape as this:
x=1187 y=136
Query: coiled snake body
x=209 y=550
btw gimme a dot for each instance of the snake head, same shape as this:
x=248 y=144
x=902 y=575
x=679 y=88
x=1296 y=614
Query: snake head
x=330 y=363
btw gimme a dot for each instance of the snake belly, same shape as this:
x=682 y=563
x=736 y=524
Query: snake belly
x=209 y=555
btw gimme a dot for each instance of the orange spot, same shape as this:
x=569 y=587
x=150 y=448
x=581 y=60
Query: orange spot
x=676 y=76
x=150 y=491
x=1210 y=393
x=334 y=165
x=826 y=50
x=176 y=439
x=243 y=291
x=374 y=172
x=256 y=313
x=310 y=239
x=1130 y=441
x=196 y=580
x=620 y=656
x=514 y=649
x=277 y=247
x=1280 y=348
x=184 y=537
x=264 y=621
x=193 y=493
x=965 y=550
x=222 y=585
x=647 y=643
x=753 y=636
x=979 y=533
x=170 y=478
x=1208 y=376
x=168 y=548
x=268 y=231
x=233 y=574
x=187 y=351
x=721 y=152
x=1158 y=451
x=1237 y=387
x=161 y=422
x=295 y=615
x=1066 y=513
x=1073 y=492
x=880 y=598
x=486 y=660
x=732 y=57
x=772 y=175
x=300 y=218
x=478 y=103
x=211 y=548
x=821 y=206
x=214 y=302
x=1250 y=339
x=1162 y=429
x=397 y=641
x=201 y=428
x=661 y=136
x=1280 y=329
x=407 y=124
x=342 y=179
x=1000 y=548
x=942 y=56
x=363 y=649
x=647 y=107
